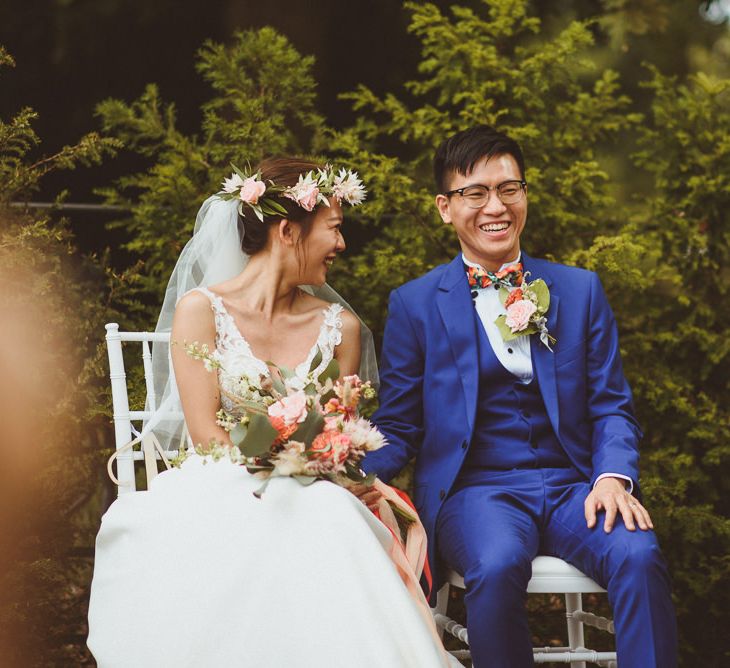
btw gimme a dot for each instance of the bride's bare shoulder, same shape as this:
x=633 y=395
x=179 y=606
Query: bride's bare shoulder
x=193 y=303
x=193 y=313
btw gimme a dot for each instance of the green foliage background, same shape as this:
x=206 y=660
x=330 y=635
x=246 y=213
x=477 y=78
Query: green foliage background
x=628 y=166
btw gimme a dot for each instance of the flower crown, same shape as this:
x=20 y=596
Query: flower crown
x=313 y=188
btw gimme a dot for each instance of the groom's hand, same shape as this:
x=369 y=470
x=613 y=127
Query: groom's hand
x=610 y=494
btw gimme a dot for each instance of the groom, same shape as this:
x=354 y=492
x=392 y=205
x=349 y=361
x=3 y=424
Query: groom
x=521 y=449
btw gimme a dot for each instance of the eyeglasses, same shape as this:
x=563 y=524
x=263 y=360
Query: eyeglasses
x=477 y=196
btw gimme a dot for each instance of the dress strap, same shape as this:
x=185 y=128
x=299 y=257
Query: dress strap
x=332 y=326
x=227 y=333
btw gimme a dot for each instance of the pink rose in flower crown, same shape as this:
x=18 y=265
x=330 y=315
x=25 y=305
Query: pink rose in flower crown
x=305 y=193
x=291 y=409
x=519 y=314
x=308 y=198
x=251 y=190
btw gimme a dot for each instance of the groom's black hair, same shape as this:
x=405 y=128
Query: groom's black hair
x=459 y=153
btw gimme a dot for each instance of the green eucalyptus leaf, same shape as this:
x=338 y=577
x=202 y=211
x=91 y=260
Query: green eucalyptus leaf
x=542 y=293
x=504 y=329
x=332 y=371
x=316 y=360
x=327 y=396
x=309 y=429
x=259 y=438
x=238 y=433
x=503 y=294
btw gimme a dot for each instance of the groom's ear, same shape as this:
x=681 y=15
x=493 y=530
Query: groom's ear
x=442 y=204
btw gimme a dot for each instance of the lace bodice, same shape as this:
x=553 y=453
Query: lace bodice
x=237 y=360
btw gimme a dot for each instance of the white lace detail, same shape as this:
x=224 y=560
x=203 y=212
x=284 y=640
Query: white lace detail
x=237 y=359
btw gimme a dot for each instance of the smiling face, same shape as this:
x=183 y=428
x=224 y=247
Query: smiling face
x=490 y=235
x=320 y=246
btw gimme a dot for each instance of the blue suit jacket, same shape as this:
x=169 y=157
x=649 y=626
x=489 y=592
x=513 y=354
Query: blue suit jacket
x=430 y=381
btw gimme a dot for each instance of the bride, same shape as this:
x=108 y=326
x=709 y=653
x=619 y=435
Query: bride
x=197 y=571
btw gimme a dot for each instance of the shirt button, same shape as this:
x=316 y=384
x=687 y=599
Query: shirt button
x=474 y=294
x=496 y=286
x=510 y=351
x=442 y=494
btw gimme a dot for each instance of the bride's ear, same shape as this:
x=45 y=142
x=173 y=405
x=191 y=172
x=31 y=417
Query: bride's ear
x=287 y=232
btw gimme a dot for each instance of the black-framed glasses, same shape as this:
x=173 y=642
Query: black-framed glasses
x=476 y=196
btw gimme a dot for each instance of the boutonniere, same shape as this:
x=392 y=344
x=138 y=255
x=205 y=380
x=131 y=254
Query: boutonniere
x=526 y=307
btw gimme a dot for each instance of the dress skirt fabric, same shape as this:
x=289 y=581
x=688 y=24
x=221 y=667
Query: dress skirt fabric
x=197 y=571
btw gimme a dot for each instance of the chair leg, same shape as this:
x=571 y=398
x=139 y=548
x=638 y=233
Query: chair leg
x=574 y=603
x=442 y=602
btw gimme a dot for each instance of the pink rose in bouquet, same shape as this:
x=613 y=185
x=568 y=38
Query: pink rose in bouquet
x=291 y=408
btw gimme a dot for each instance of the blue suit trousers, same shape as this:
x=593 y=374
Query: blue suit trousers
x=491 y=528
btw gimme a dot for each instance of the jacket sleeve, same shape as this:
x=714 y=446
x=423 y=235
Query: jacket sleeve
x=400 y=415
x=616 y=432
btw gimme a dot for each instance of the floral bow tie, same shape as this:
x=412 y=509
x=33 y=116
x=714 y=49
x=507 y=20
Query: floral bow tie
x=509 y=277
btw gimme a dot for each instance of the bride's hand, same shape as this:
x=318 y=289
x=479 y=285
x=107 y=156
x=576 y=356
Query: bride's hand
x=367 y=494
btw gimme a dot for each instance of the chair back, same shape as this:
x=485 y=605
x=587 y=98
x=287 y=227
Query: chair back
x=128 y=423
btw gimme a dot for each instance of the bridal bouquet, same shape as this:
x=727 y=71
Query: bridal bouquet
x=285 y=425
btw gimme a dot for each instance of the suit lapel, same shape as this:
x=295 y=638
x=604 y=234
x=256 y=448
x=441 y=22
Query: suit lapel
x=456 y=308
x=543 y=360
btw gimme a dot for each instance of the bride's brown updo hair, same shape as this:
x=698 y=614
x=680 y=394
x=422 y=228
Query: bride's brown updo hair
x=283 y=172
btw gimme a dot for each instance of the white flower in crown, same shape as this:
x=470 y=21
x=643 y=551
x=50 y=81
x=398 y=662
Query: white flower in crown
x=306 y=192
x=347 y=186
x=233 y=184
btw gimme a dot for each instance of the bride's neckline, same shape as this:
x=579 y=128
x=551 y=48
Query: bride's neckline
x=237 y=331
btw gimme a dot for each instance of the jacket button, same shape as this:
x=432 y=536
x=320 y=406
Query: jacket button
x=442 y=494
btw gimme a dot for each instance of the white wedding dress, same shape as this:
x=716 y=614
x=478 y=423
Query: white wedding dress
x=197 y=571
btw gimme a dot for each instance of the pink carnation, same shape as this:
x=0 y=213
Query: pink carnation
x=519 y=314
x=251 y=190
x=331 y=446
x=291 y=409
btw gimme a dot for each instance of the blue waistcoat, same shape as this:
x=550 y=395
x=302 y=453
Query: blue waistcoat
x=512 y=429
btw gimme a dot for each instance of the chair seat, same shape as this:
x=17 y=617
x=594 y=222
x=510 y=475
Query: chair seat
x=550 y=575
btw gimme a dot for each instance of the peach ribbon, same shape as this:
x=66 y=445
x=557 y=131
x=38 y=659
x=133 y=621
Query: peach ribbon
x=409 y=556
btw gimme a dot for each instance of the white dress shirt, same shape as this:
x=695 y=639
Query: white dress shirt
x=515 y=355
